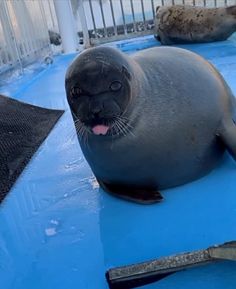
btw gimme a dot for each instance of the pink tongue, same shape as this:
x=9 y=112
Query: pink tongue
x=100 y=129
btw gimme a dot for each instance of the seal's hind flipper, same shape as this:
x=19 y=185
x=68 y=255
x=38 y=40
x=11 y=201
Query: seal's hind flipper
x=144 y=196
x=228 y=137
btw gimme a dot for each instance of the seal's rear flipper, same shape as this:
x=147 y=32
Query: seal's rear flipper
x=228 y=137
x=143 y=196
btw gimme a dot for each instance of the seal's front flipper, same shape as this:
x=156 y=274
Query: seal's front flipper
x=228 y=137
x=144 y=196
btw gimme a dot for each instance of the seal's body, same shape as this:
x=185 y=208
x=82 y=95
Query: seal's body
x=166 y=124
x=188 y=24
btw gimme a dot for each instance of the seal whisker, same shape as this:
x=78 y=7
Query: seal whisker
x=82 y=132
x=78 y=126
x=124 y=117
x=123 y=128
x=81 y=129
x=74 y=131
x=129 y=126
x=129 y=131
x=75 y=116
x=126 y=120
x=77 y=121
x=118 y=128
x=85 y=136
x=126 y=126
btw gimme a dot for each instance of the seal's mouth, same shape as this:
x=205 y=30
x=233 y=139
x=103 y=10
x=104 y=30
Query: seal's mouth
x=101 y=126
x=100 y=129
x=118 y=125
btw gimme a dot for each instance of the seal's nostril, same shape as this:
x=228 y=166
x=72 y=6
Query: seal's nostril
x=95 y=115
x=95 y=111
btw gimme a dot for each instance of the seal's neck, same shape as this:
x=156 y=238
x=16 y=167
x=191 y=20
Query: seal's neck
x=138 y=82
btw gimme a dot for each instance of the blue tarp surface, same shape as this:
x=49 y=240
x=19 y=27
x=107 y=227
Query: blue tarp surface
x=58 y=230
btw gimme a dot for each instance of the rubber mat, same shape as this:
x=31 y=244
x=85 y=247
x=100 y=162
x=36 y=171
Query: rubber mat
x=23 y=127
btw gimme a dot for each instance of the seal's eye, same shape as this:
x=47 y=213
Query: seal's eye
x=115 y=86
x=75 y=91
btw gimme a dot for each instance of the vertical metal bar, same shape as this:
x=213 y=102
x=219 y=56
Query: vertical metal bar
x=18 y=57
x=204 y=3
x=22 y=41
x=27 y=23
x=144 y=18
x=215 y=3
x=183 y=2
x=39 y=40
x=66 y=25
x=226 y=3
x=83 y=24
x=113 y=18
x=36 y=28
x=133 y=15
x=123 y=16
x=173 y=2
x=93 y=19
x=23 y=16
x=8 y=47
x=194 y=3
x=19 y=11
x=153 y=9
x=162 y=2
x=46 y=41
x=51 y=14
x=32 y=29
x=103 y=18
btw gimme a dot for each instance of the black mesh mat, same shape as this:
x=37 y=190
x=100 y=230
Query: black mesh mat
x=23 y=128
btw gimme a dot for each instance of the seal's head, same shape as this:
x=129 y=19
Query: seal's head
x=98 y=87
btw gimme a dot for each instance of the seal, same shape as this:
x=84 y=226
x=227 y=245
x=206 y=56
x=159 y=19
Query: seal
x=54 y=37
x=145 y=124
x=188 y=24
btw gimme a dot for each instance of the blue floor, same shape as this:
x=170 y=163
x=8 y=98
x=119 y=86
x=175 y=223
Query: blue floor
x=58 y=230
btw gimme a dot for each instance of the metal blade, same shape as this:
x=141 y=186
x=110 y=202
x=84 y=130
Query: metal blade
x=226 y=251
x=147 y=272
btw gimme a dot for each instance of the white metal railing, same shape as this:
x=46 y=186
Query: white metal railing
x=108 y=20
x=24 y=24
x=23 y=33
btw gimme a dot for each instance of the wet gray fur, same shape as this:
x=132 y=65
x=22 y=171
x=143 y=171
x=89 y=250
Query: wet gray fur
x=188 y=24
x=179 y=119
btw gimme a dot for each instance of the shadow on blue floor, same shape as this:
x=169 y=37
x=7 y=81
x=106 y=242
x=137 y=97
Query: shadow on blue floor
x=59 y=230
